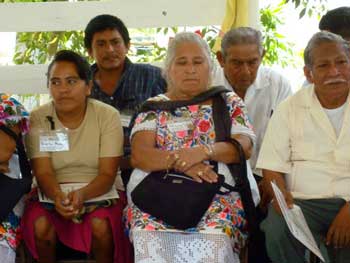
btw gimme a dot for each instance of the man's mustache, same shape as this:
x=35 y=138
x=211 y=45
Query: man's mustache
x=334 y=81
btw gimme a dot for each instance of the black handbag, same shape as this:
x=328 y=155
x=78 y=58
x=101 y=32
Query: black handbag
x=11 y=190
x=177 y=199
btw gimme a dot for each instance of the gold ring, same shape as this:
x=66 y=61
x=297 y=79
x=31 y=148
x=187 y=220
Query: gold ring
x=176 y=156
x=200 y=174
x=183 y=164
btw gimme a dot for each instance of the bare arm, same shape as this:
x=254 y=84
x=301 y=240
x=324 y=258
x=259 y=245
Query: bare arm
x=145 y=155
x=45 y=176
x=266 y=189
x=103 y=182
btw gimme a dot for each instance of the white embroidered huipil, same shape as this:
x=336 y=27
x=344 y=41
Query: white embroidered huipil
x=301 y=142
x=262 y=97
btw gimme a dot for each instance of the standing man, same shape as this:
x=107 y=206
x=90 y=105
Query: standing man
x=116 y=80
x=306 y=152
x=261 y=88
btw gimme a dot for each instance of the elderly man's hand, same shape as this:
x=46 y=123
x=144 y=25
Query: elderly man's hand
x=287 y=197
x=266 y=193
x=339 y=232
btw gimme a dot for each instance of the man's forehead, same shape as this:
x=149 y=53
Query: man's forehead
x=244 y=51
x=111 y=33
x=328 y=51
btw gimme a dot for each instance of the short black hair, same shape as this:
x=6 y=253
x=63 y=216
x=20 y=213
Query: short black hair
x=337 y=21
x=101 y=23
x=81 y=64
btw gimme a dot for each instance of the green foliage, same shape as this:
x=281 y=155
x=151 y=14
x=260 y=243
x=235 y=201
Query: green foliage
x=278 y=50
x=309 y=7
x=39 y=47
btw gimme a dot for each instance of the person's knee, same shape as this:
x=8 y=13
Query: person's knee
x=44 y=230
x=101 y=229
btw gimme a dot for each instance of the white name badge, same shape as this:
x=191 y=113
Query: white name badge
x=54 y=141
x=180 y=125
x=125 y=119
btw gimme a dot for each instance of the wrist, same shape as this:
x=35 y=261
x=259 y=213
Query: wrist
x=208 y=151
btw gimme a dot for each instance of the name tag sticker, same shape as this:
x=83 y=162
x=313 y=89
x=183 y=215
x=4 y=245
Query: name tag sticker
x=54 y=141
x=180 y=125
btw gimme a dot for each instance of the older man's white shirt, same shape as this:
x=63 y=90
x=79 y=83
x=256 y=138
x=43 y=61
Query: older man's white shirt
x=302 y=143
x=262 y=97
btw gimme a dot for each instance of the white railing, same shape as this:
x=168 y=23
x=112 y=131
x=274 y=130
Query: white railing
x=62 y=16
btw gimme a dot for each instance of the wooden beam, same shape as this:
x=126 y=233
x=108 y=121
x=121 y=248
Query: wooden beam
x=65 y=16
x=23 y=79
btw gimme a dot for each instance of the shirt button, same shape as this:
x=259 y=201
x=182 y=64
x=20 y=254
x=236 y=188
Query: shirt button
x=112 y=98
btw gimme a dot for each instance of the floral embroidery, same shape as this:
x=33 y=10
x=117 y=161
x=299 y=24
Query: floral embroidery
x=226 y=212
x=10 y=231
x=13 y=113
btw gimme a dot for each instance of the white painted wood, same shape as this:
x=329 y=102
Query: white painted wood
x=64 y=16
x=23 y=79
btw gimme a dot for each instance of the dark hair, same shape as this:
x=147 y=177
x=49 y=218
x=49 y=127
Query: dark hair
x=102 y=23
x=81 y=64
x=337 y=21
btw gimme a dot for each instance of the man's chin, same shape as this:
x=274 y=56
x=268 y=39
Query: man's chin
x=109 y=67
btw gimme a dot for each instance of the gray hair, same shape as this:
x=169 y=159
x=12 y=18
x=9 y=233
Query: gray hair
x=323 y=37
x=180 y=38
x=242 y=35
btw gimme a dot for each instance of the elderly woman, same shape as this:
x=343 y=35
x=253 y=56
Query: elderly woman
x=14 y=121
x=80 y=140
x=156 y=145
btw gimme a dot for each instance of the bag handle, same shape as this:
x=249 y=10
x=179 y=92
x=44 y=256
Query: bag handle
x=223 y=123
x=174 y=104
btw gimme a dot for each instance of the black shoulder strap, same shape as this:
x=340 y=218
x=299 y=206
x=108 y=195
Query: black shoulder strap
x=222 y=122
x=171 y=105
x=9 y=132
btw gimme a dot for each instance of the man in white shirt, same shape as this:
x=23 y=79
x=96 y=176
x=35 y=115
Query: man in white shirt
x=306 y=151
x=261 y=88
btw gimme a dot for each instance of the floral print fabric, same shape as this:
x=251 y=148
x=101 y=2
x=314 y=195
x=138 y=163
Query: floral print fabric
x=188 y=127
x=10 y=235
x=13 y=113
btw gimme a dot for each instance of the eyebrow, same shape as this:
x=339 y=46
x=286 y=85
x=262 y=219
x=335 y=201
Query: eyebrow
x=69 y=77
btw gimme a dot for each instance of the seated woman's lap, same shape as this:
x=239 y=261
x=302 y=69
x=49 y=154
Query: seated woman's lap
x=225 y=215
x=73 y=235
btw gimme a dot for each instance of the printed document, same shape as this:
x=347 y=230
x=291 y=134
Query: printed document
x=296 y=223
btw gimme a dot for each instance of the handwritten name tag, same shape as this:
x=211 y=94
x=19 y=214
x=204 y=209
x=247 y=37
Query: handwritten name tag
x=54 y=141
x=180 y=125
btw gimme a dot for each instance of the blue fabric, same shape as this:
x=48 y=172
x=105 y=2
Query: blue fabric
x=138 y=83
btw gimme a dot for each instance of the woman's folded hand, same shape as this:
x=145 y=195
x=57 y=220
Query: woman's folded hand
x=64 y=206
x=185 y=158
x=202 y=171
